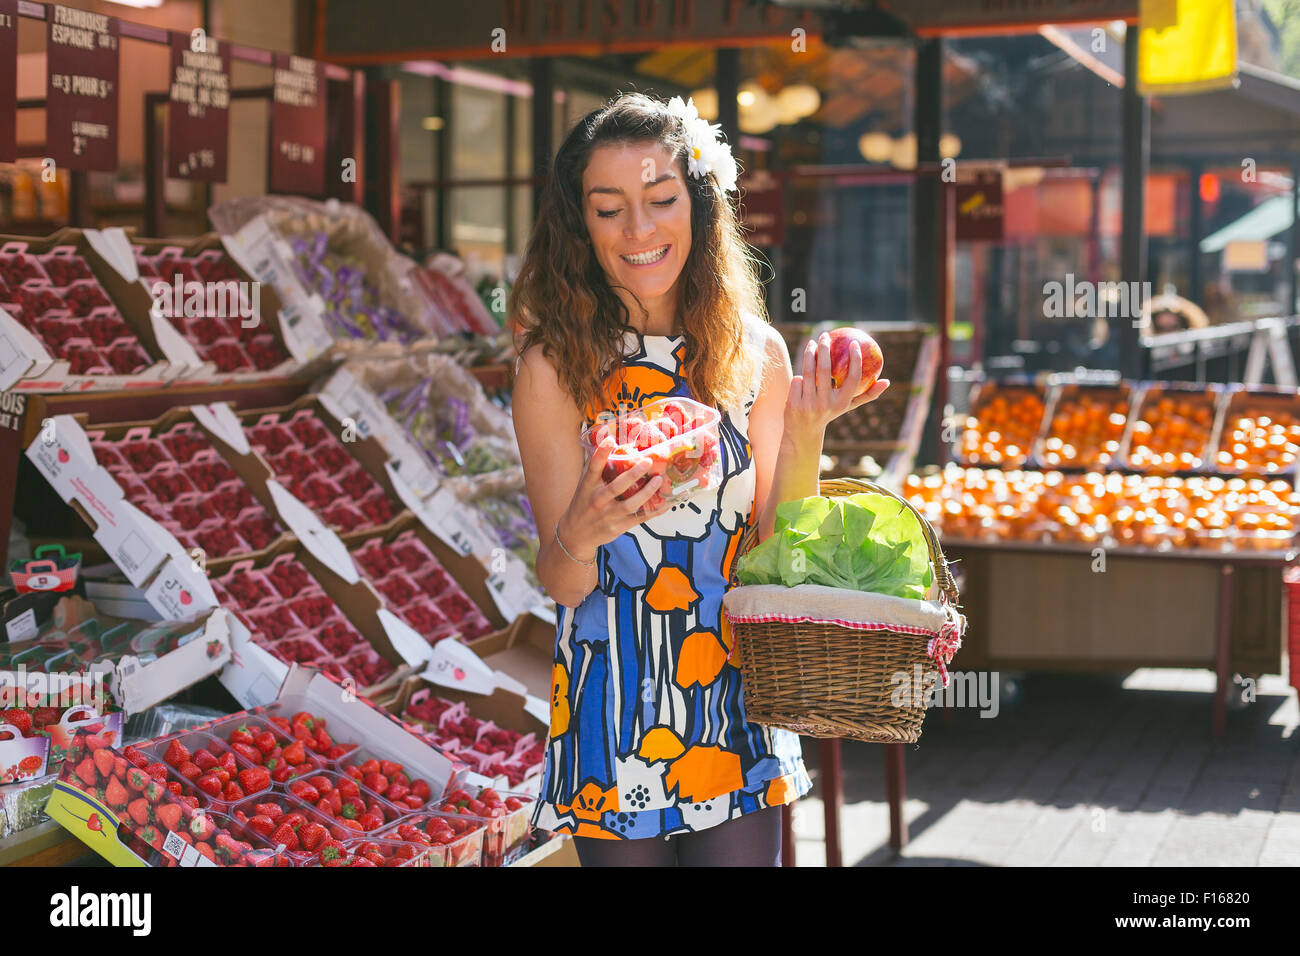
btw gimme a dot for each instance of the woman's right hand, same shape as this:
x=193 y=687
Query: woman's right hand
x=596 y=516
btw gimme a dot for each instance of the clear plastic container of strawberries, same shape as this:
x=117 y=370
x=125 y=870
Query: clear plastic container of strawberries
x=678 y=435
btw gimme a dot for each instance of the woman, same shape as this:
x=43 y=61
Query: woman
x=636 y=285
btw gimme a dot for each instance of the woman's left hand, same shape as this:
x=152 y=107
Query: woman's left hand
x=813 y=401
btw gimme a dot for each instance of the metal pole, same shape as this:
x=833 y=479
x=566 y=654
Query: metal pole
x=1136 y=153
x=727 y=83
x=544 y=145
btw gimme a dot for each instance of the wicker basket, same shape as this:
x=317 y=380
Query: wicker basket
x=826 y=679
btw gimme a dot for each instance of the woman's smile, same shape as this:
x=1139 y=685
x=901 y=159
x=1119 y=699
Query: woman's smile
x=648 y=258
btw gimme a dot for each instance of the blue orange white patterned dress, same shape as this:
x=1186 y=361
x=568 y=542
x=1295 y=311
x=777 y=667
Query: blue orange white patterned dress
x=648 y=736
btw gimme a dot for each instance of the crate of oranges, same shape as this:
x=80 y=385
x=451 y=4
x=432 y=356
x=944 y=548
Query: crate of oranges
x=1260 y=434
x=1002 y=425
x=1172 y=430
x=1085 y=426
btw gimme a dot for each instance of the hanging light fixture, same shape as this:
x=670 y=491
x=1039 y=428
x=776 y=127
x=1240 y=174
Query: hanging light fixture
x=758 y=110
x=797 y=102
x=949 y=145
x=903 y=155
x=876 y=147
x=706 y=101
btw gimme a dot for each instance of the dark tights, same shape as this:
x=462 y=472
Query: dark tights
x=751 y=840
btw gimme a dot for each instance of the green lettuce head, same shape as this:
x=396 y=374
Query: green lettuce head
x=862 y=542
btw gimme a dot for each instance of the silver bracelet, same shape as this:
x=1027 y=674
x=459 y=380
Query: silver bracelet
x=585 y=564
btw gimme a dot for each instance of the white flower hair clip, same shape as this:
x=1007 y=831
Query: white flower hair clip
x=708 y=153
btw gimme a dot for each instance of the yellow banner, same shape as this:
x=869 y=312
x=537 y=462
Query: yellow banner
x=1186 y=46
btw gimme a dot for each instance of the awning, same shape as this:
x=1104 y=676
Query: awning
x=1265 y=221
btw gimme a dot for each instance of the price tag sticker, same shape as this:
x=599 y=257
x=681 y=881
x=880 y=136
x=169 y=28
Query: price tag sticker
x=190 y=856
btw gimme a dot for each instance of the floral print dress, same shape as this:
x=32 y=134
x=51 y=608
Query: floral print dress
x=648 y=735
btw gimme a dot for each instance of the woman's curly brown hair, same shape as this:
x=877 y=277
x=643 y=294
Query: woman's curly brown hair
x=562 y=299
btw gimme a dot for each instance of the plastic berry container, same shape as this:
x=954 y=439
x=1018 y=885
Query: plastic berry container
x=249 y=588
x=57 y=331
x=127 y=357
x=273 y=622
x=308 y=429
x=298 y=648
x=142 y=452
x=84 y=296
x=106 y=455
x=458 y=843
x=227 y=356
x=505 y=834
x=63 y=266
x=408 y=551
x=231 y=501
x=168 y=482
x=314 y=609
x=256 y=724
x=84 y=359
x=208 y=471
x=244 y=811
x=184 y=441
x=217 y=539
x=271 y=438
x=367 y=667
x=37 y=298
x=678 y=435
x=104 y=329
x=215 y=266
x=354 y=480
x=463 y=613
x=398 y=589
x=17 y=267
x=293 y=464
x=343 y=516
x=376 y=559
x=289 y=577
x=435 y=581
x=339 y=637
x=257 y=527
x=191 y=513
x=376 y=507
x=265 y=352
x=333 y=459
x=427 y=620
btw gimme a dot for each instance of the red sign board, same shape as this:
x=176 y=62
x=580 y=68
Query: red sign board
x=81 y=89
x=762 y=204
x=298 y=126
x=198 y=112
x=979 y=207
x=8 y=80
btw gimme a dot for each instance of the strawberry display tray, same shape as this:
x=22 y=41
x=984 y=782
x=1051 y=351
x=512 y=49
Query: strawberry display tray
x=458 y=840
x=289 y=613
x=171 y=471
x=132 y=818
x=313 y=837
x=214 y=306
x=417 y=588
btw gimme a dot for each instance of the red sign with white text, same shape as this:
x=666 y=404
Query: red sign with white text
x=198 y=112
x=81 y=89
x=297 y=126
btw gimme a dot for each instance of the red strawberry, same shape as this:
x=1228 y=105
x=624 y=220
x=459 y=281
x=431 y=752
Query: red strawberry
x=312 y=835
x=206 y=851
x=397 y=792
x=324 y=805
x=262 y=824
x=414 y=802
x=287 y=835
x=210 y=784
x=377 y=782
x=233 y=792
x=204 y=760
x=282 y=773
x=248 y=752
x=135 y=757
x=169 y=815
x=177 y=753
x=265 y=742
x=371 y=820
x=151 y=836
x=202 y=828
x=189 y=770
x=156 y=770
x=174 y=786
x=332 y=852
x=254 y=779
x=304 y=791
x=272 y=810
x=115 y=793
x=119 y=767
x=153 y=790
x=295 y=753
x=421 y=789
x=86 y=772
x=348 y=788
x=228 y=763
x=241 y=735
x=136 y=778
x=139 y=810
x=103 y=762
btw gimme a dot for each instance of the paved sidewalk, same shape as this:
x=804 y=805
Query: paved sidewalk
x=1085 y=770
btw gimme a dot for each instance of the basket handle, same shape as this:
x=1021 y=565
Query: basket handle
x=841 y=487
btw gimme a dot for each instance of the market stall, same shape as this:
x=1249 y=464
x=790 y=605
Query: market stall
x=1112 y=525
